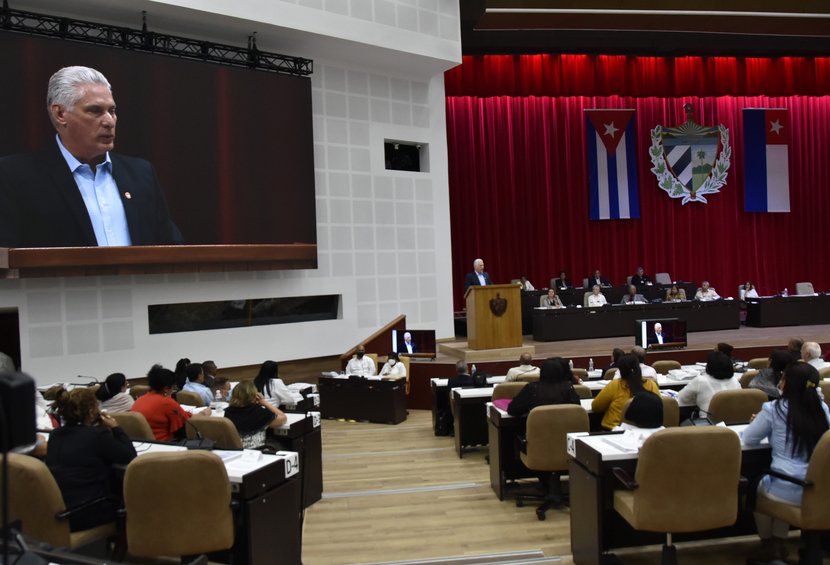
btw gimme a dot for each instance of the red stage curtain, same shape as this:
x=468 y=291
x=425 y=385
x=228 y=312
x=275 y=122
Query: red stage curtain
x=518 y=173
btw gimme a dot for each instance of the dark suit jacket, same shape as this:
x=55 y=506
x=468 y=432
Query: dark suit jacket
x=402 y=347
x=639 y=281
x=472 y=280
x=557 y=283
x=592 y=281
x=41 y=206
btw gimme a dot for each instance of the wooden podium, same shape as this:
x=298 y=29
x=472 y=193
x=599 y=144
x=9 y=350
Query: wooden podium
x=494 y=316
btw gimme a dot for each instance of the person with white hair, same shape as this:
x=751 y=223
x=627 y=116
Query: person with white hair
x=478 y=276
x=76 y=191
x=706 y=293
x=811 y=353
x=408 y=345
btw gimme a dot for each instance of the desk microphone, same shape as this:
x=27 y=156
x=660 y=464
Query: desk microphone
x=200 y=442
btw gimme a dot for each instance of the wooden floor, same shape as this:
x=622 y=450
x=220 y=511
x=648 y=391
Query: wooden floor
x=398 y=493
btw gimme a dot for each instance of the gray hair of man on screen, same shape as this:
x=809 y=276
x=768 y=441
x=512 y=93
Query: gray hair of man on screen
x=65 y=87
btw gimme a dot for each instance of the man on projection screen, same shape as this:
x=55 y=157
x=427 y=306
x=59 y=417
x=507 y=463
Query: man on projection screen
x=76 y=192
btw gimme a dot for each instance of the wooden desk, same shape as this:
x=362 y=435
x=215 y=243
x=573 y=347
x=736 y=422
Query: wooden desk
x=597 y=528
x=368 y=399
x=470 y=417
x=440 y=396
x=619 y=320
x=301 y=434
x=269 y=525
x=788 y=311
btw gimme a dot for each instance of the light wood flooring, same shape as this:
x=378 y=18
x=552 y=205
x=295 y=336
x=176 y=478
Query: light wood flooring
x=398 y=493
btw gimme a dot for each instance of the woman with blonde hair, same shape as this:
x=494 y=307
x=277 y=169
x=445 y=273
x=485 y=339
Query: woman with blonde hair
x=252 y=414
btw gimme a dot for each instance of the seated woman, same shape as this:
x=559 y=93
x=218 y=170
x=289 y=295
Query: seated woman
x=767 y=378
x=550 y=300
x=614 y=395
x=793 y=425
x=645 y=412
x=270 y=385
x=562 y=282
x=555 y=386
x=748 y=291
x=165 y=416
x=675 y=294
x=393 y=367
x=112 y=394
x=81 y=455
x=719 y=376
x=252 y=414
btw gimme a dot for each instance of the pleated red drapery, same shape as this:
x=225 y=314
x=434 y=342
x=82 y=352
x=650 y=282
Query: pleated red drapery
x=518 y=170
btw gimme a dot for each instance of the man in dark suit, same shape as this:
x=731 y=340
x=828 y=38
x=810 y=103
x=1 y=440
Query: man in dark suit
x=598 y=279
x=407 y=345
x=657 y=337
x=478 y=276
x=641 y=279
x=75 y=192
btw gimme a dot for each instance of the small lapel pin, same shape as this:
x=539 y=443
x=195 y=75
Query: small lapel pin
x=127 y=195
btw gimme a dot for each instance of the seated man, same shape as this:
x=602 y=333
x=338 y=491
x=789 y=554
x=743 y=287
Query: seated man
x=640 y=279
x=646 y=370
x=360 y=365
x=550 y=300
x=461 y=378
x=195 y=383
x=562 y=282
x=632 y=297
x=658 y=338
x=596 y=298
x=598 y=279
x=524 y=368
x=706 y=293
x=811 y=353
x=408 y=346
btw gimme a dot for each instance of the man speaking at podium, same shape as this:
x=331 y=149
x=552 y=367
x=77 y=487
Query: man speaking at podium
x=75 y=192
x=478 y=276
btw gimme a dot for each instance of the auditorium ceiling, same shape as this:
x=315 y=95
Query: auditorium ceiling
x=646 y=27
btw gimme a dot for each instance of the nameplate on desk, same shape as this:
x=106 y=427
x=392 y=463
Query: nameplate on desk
x=315 y=419
x=315 y=399
x=292 y=462
x=571 y=442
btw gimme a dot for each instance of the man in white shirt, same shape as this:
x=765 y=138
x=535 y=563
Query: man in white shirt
x=524 y=368
x=811 y=353
x=646 y=370
x=706 y=293
x=596 y=298
x=361 y=365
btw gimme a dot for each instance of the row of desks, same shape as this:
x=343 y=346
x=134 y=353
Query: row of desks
x=620 y=320
x=799 y=310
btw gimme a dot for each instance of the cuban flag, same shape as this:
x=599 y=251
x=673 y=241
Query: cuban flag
x=612 y=164
x=766 y=160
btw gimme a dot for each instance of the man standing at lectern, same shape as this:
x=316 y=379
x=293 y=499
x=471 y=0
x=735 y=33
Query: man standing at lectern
x=478 y=276
x=75 y=191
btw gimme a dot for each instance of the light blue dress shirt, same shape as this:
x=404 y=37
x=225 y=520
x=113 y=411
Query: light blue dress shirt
x=481 y=279
x=201 y=390
x=101 y=198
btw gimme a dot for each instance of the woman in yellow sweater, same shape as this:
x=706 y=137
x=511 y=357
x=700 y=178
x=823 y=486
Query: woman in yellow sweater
x=614 y=395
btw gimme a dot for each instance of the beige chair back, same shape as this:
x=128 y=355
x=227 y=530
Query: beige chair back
x=815 y=512
x=586 y=295
x=157 y=486
x=139 y=390
x=507 y=390
x=406 y=363
x=663 y=367
x=528 y=378
x=758 y=363
x=677 y=454
x=580 y=373
x=547 y=427
x=824 y=372
x=747 y=377
x=736 y=406
x=804 y=288
x=220 y=430
x=189 y=398
x=583 y=391
x=662 y=278
x=134 y=425
x=374 y=358
x=35 y=499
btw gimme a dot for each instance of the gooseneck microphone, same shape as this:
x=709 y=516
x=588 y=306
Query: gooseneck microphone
x=200 y=442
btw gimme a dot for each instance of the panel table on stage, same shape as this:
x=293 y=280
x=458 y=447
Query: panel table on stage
x=267 y=488
x=619 y=320
x=369 y=399
x=799 y=310
x=596 y=527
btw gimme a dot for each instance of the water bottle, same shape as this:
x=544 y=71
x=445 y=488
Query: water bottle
x=571 y=364
x=473 y=369
x=786 y=292
x=218 y=396
x=590 y=364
